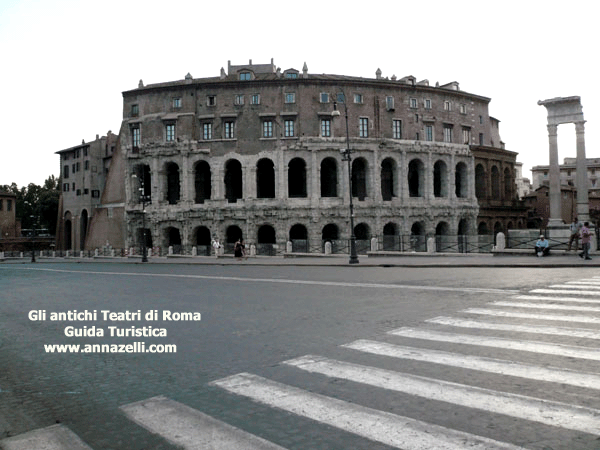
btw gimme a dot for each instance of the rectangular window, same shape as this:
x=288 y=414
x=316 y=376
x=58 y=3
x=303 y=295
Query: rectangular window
x=86 y=191
x=290 y=97
x=288 y=128
x=429 y=133
x=427 y=103
x=389 y=103
x=78 y=166
x=480 y=138
x=8 y=204
x=211 y=100
x=238 y=99
x=363 y=127
x=177 y=102
x=170 y=132
x=207 y=131
x=463 y=108
x=135 y=110
x=86 y=164
x=325 y=127
x=447 y=106
x=245 y=76
x=135 y=137
x=397 y=129
x=358 y=98
x=66 y=187
x=324 y=97
x=447 y=133
x=95 y=193
x=413 y=103
x=1 y=204
x=466 y=135
x=228 y=129
x=66 y=171
x=78 y=192
x=255 y=99
x=268 y=129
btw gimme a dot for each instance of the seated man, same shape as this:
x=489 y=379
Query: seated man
x=541 y=247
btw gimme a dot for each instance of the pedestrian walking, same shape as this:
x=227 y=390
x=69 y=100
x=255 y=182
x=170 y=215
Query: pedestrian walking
x=574 y=228
x=216 y=245
x=585 y=240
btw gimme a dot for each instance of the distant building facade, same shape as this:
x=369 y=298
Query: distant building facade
x=256 y=153
x=9 y=226
x=84 y=169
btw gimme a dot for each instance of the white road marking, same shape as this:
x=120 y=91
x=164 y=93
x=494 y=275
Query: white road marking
x=570 y=286
x=548 y=412
x=563 y=291
x=55 y=437
x=558 y=331
x=511 y=344
x=281 y=281
x=491 y=365
x=555 y=317
x=556 y=299
x=191 y=429
x=546 y=306
x=380 y=426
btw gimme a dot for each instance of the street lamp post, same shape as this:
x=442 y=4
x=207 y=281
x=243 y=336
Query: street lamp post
x=143 y=198
x=34 y=219
x=346 y=156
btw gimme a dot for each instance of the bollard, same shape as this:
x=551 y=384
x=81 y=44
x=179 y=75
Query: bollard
x=431 y=247
x=328 y=248
x=194 y=251
x=288 y=247
x=374 y=244
x=500 y=241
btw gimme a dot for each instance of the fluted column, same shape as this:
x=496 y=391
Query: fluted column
x=583 y=208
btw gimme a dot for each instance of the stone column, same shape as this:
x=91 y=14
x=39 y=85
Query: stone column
x=313 y=187
x=554 y=173
x=583 y=207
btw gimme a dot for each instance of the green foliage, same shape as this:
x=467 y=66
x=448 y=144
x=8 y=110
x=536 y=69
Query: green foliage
x=37 y=206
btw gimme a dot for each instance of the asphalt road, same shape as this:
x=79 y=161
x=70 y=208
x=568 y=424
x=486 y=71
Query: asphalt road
x=253 y=320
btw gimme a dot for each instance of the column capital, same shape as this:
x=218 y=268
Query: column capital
x=552 y=129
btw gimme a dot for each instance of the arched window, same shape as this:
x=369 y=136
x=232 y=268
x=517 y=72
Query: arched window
x=440 y=179
x=495 y=183
x=460 y=180
x=232 y=234
x=330 y=232
x=359 y=178
x=299 y=238
x=329 y=178
x=202 y=181
x=265 y=179
x=144 y=183
x=482 y=228
x=480 y=184
x=233 y=180
x=417 y=237
x=415 y=178
x=388 y=181
x=508 y=185
x=297 y=178
x=173 y=189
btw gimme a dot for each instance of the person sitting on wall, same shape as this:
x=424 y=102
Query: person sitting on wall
x=542 y=247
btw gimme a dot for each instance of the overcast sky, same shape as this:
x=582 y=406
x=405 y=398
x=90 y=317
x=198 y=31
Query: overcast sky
x=65 y=63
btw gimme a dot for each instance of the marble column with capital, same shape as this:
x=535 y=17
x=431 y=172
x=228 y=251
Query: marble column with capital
x=583 y=207
x=555 y=218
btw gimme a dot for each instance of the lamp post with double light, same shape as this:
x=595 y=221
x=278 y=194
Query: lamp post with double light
x=347 y=156
x=144 y=200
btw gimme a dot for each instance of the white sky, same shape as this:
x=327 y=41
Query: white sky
x=65 y=63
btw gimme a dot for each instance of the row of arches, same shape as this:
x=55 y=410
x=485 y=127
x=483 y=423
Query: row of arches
x=498 y=186
x=266 y=234
x=329 y=174
x=72 y=233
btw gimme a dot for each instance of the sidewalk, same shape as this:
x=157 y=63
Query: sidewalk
x=372 y=260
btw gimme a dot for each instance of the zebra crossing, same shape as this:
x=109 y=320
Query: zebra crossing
x=542 y=323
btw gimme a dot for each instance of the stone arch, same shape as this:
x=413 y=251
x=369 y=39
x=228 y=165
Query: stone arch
x=508 y=184
x=388 y=179
x=173 y=239
x=442 y=229
x=232 y=234
x=173 y=190
x=482 y=228
x=329 y=177
x=297 y=178
x=202 y=182
x=416 y=174
x=417 y=237
x=330 y=232
x=480 y=182
x=390 y=237
x=233 y=181
x=202 y=240
x=498 y=228
x=144 y=182
x=299 y=238
x=461 y=180
x=266 y=240
x=83 y=223
x=362 y=231
x=495 y=179
x=440 y=179
x=265 y=178
x=68 y=232
x=359 y=178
